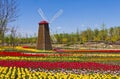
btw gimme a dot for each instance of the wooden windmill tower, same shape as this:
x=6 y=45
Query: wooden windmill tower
x=43 y=40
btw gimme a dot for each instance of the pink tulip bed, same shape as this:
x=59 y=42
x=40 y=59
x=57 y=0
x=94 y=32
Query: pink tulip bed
x=89 y=61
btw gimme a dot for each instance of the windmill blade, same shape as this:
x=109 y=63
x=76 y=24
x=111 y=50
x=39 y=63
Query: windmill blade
x=53 y=36
x=56 y=15
x=41 y=13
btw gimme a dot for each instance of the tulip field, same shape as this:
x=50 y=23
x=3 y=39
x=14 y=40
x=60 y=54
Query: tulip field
x=29 y=63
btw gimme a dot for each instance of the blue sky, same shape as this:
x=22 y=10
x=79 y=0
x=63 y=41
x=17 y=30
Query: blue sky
x=77 y=14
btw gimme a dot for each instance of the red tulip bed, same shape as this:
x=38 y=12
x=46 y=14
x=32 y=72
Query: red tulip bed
x=60 y=65
x=50 y=63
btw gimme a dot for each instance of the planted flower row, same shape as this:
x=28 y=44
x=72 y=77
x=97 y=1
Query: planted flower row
x=19 y=48
x=24 y=48
x=29 y=54
x=58 y=55
x=113 y=60
x=25 y=73
x=91 y=51
x=59 y=65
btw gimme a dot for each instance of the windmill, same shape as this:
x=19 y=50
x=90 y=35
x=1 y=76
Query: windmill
x=43 y=41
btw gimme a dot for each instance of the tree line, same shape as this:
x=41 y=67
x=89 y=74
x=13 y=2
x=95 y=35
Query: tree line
x=108 y=36
x=111 y=35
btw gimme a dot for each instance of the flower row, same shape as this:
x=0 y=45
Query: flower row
x=24 y=48
x=19 y=48
x=92 y=51
x=31 y=49
x=2 y=53
x=58 y=55
x=25 y=73
x=59 y=65
x=114 y=60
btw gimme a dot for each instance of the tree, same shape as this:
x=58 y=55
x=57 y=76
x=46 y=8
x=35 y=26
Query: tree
x=115 y=36
x=7 y=40
x=64 y=40
x=96 y=36
x=104 y=32
x=96 y=32
x=111 y=32
x=12 y=36
x=77 y=35
x=90 y=35
x=8 y=13
x=84 y=37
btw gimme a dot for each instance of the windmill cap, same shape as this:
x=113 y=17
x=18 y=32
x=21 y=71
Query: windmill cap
x=43 y=22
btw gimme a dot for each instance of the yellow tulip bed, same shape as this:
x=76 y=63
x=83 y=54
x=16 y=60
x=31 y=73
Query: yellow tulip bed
x=31 y=49
x=20 y=48
x=27 y=73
